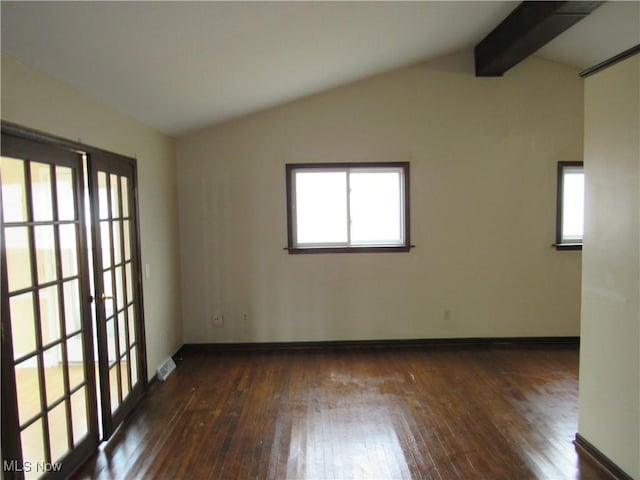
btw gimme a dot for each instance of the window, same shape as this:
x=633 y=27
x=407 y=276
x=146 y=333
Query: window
x=570 y=206
x=347 y=207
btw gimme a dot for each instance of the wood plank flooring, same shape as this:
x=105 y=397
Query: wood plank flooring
x=480 y=412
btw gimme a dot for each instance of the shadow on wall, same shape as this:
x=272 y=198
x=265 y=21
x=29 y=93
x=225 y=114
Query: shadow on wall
x=459 y=62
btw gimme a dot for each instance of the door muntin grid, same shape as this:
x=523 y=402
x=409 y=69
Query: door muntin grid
x=44 y=275
x=117 y=289
x=117 y=271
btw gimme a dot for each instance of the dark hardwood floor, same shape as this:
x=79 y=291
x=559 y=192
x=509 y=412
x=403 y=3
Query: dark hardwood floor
x=477 y=412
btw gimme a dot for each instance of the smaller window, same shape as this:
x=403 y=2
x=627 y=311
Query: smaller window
x=570 y=206
x=348 y=207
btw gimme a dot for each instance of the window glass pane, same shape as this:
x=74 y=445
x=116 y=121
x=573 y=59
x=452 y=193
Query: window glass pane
x=72 y=313
x=58 y=435
x=117 y=245
x=111 y=340
x=122 y=333
x=54 y=380
x=113 y=387
x=41 y=192
x=22 y=324
x=127 y=240
x=108 y=292
x=125 y=197
x=124 y=379
x=68 y=251
x=27 y=390
x=119 y=287
x=76 y=356
x=376 y=208
x=49 y=314
x=45 y=254
x=33 y=444
x=128 y=268
x=14 y=202
x=103 y=195
x=573 y=204
x=321 y=207
x=132 y=329
x=18 y=257
x=115 y=197
x=79 y=412
x=134 y=366
x=105 y=240
x=66 y=193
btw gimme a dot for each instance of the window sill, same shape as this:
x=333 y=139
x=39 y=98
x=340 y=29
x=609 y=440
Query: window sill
x=379 y=249
x=568 y=246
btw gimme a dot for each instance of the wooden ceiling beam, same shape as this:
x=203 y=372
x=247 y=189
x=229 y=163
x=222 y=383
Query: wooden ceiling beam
x=530 y=26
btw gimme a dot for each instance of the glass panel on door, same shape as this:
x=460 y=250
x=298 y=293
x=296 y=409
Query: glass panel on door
x=44 y=377
x=116 y=288
x=69 y=262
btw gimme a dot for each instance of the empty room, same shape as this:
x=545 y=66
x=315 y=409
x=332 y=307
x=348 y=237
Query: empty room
x=320 y=240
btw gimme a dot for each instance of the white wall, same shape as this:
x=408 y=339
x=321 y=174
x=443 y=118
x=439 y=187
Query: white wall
x=609 y=407
x=483 y=155
x=37 y=101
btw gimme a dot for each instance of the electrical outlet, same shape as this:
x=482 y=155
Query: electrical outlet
x=245 y=317
x=447 y=315
x=217 y=320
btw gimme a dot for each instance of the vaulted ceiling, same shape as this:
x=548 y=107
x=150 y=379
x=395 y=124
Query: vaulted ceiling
x=179 y=66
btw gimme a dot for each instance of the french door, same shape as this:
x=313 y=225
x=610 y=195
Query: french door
x=116 y=276
x=69 y=297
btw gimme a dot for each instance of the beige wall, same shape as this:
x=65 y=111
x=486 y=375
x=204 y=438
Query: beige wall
x=483 y=155
x=37 y=101
x=609 y=358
